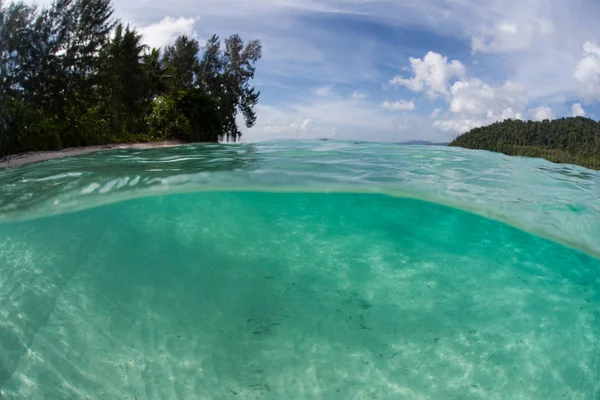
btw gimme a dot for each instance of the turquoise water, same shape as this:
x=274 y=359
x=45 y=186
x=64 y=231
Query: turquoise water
x=299 y=270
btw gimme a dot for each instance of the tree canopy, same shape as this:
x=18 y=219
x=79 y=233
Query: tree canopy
x=71 y=75
x=566 y=140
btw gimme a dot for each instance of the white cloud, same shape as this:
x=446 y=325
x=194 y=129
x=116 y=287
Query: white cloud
x=552 y=32
x=577 y=110
x=457 y=125
x=475 y=98
x=463 y=123
x=510 y=36
x=480 y=107
x=587 y=72
x=541 y=113
x=401 y=105
x=166 y=31
x=359 y=95
x=324 y=91
x=435 y=113
x=471 y=101
x=432 y=74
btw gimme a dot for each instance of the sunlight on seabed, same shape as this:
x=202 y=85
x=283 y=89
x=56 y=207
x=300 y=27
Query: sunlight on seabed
x=284 y=288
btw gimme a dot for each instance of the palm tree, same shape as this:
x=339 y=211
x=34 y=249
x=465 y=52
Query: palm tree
x=156 y=74
x=124 y=78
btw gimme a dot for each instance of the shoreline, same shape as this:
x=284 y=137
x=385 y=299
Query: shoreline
x=19 y=160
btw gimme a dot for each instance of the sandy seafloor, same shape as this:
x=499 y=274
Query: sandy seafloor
x=292 y=296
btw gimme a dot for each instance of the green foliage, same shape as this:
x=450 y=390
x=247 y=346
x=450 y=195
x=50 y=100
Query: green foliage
x=202 y=112
x=93 y=125
x=72 y=75
x=225 y=75
x=124 y=81
x=42 y=134
x=566 y=140
x=189 y=115
x=182 y=62
x=27 y=129
x=156 y=75
x=166 y=120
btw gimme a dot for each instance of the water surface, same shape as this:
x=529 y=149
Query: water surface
x=326 y=270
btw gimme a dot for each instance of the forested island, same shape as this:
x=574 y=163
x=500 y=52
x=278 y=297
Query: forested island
x=73 y=75
x=566 y=140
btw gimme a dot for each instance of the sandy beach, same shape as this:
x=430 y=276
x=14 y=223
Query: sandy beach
x=18 y=160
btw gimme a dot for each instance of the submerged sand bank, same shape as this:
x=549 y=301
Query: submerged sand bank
x=18 y=160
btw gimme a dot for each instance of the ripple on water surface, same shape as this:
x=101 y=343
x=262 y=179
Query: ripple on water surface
x=241 y=294
x=560 y=202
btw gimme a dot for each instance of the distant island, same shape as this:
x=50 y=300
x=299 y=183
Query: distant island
x=566 y=140
x=72 y=75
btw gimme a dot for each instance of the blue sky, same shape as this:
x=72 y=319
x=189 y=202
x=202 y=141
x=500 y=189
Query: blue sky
x=394 y=70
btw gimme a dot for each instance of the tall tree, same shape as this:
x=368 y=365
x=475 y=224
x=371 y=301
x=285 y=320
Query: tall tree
x=70 y=76
x=13 y=19
x=53 y=62
x=182 y=60
x=240 y=69
x=211 y=68
x=226 y=74
x=156 y=74
x=88 y=26
x=124 y=80
x=28 y=49
x=43 y=76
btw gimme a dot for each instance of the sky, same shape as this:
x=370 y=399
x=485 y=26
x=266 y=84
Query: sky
x=396 y=70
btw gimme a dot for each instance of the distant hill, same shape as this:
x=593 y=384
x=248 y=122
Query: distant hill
x=422 y=143
x=566 y=140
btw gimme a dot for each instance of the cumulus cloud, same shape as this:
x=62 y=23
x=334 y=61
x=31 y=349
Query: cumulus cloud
x=587 y=72
x=319 y=53
x=432 y=74
x=401 y=105
x=471 y=102
x=463 y=123
x=577 y=110
x=166 y=31
x=359 y=95
x=457 y=125
x=478 y=99
x=541 y=113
